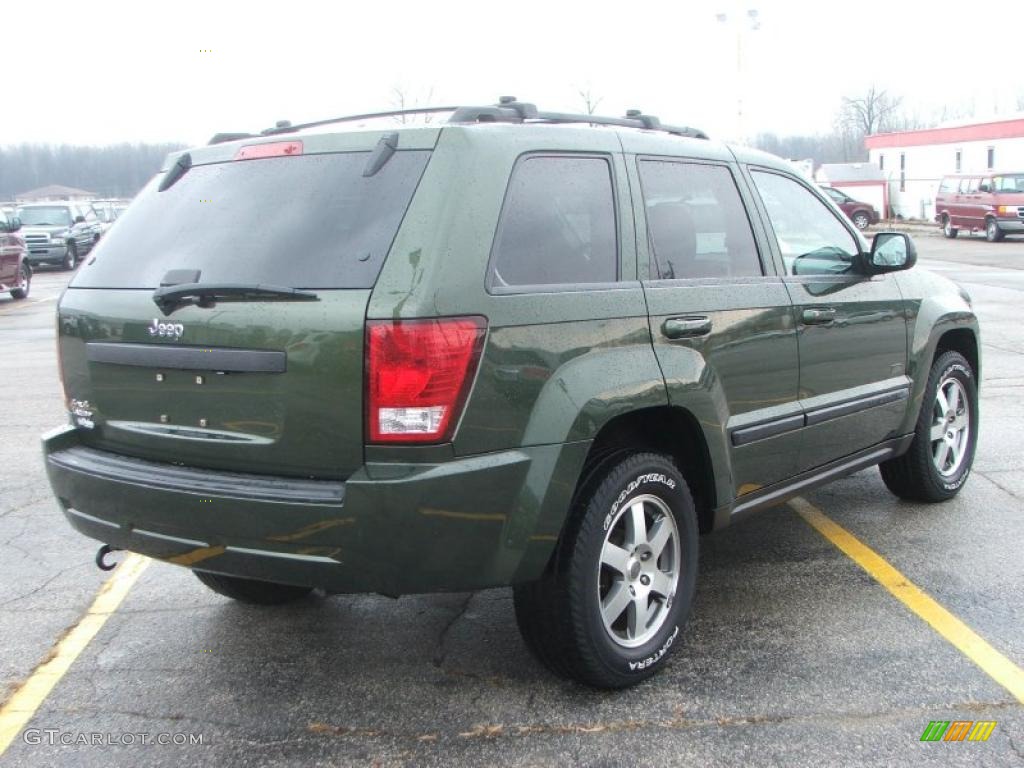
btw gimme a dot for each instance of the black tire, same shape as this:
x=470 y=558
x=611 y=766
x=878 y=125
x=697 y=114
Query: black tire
x=914 y=475
x=24 y=282
x=560 y=615
x=70 y=260
x=250 y=590
x=992 y=231
x=861 y=220
x=947 y=227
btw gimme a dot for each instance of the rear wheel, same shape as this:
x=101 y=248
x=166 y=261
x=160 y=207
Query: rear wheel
x=992 y=231
x=861 y=220
x=612 y=606
x=939 y=460
x=23 y=283
x=947 y=227
x=70 y=260
x=250 y=590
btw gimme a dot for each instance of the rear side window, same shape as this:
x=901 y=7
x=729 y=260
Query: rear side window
x=697 y=223
x=311 y=221
x=557 y=225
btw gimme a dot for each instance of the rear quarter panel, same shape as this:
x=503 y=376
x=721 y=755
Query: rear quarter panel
x=557 y=364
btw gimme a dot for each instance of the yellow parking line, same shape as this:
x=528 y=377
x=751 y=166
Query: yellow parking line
x=962 y=637
x=19 y=709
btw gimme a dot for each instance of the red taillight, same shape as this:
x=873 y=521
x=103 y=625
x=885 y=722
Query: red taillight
x=418 y=374
x=271 y=149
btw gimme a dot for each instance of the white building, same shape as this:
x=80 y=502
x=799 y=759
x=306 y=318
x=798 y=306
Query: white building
x=915 y=161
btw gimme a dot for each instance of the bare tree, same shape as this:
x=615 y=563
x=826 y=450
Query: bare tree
x=590 y=102
x=402 y=100
x=873 y=112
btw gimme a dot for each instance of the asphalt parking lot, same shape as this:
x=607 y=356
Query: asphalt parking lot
x=794 y=655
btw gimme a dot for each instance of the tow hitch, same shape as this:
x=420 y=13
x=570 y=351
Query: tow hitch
x=101 y=557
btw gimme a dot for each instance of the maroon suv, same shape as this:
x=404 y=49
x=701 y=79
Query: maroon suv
x=15 y=272
x=861 y=214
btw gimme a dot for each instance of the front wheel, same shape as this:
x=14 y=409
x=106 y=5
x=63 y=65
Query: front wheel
x=939 y=459
x=948 y=229
x=992 y=231
x=23 y=283
x=250 y=590
x=619 y=592
x=861 y=220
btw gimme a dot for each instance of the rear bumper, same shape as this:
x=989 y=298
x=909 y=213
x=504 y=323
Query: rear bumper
x=466 y=524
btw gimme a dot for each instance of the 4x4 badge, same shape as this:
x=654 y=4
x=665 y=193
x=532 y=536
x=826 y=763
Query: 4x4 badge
x=172 y=330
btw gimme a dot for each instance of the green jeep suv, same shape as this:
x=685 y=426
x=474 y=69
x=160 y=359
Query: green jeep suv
x=512 y=348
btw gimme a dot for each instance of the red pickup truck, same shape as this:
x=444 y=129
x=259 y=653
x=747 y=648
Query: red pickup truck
x=15 y=272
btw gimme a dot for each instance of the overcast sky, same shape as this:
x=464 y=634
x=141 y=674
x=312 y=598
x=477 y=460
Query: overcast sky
x=107 y=71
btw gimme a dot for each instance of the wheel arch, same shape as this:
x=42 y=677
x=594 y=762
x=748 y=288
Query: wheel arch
x=942 y=325
x=964 y=341
x=670 y=430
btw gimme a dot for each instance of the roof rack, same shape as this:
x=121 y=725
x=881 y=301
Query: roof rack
x=511 y=110
x=507 y=110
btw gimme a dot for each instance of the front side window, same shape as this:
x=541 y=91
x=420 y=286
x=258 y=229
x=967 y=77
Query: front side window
x=1014 y=183
x=811 y=239
x=557 y=225
x=697 y=224
x=839 y=197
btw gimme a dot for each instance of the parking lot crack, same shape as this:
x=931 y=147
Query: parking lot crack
x=997 y=484
x=1015 y=748
x=25 y=505
x=440 y=652
x=42 y=586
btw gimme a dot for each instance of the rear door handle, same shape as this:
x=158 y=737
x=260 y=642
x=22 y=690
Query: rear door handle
x=819 y=315
x=686 y=327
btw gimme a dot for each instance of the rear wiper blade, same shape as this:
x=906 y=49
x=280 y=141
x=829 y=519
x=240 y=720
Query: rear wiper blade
x=170 y=297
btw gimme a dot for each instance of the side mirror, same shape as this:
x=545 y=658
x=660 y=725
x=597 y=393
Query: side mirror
x=984 y=188
x=79 y=219
x=13 y=224
x=891 y=252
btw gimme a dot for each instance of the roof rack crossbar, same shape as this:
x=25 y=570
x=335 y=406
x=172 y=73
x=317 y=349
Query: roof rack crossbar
x=511 y=111
x=350 y=118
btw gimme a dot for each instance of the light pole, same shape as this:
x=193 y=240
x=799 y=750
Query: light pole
x=740 y=22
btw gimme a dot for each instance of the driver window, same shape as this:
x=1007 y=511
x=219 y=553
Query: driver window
x=811 y=239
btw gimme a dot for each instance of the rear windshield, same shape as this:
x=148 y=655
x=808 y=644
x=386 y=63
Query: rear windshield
x=312 y=221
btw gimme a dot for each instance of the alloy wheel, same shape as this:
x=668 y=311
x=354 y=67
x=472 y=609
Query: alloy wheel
x=951 y=427
x=639 y=571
